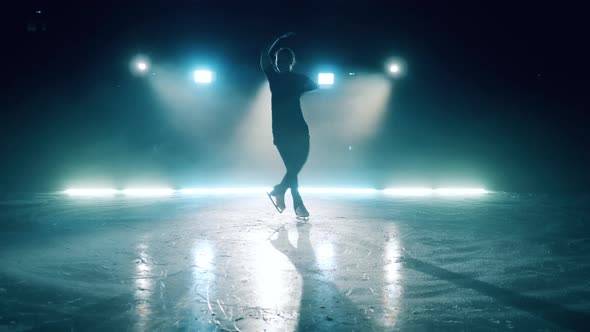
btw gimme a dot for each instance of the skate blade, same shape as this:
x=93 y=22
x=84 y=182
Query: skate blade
x=303 y=219
x=274 y=203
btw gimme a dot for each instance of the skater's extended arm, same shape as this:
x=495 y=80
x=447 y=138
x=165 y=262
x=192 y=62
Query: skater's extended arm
x=265 y=55
x=309 y=85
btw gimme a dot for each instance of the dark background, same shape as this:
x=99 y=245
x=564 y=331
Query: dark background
x=494 y=90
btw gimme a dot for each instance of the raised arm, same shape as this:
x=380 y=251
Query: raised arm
x=265 y=55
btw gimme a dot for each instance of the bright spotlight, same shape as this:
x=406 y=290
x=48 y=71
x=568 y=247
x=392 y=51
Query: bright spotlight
x=90 y=192
x=203 y=76
x=394 y=68
x=326 y=78
x=148 y=191
x=139 y=65
x=142 y=66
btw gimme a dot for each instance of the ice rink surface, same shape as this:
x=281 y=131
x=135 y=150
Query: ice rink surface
x=368 y=262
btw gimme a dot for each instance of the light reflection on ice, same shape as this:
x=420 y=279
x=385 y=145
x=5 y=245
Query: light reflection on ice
x=392 y=291
x=270 y=270
x=203 y=256
x=325 y=255
x=143 y=286
x=204 y=276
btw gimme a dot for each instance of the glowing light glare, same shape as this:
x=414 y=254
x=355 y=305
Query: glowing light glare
x=259 y=190
x=338 y=190
x=91 y=192
x=326 y=78
x=408 y=191
x=430 y=191
x=142 y=66
x=460 y=191
x=394 y=68
x=139 y=65
x=360 y=113
x=260 y=156
x=148 y=191
x=203 y=76
x=412 y=191
x=224 y=191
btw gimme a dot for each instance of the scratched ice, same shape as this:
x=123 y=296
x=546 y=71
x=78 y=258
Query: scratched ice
x=362 y=263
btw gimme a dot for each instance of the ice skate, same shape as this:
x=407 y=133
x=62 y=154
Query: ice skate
x=278 y=200
x=302 y=213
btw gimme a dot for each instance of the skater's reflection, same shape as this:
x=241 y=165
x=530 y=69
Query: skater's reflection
x=323 y=306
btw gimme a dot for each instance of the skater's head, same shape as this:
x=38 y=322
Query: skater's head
x=285 y=60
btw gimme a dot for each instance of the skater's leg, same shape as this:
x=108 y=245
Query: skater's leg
x=297 y=200
x=300 y=157
x=288 y=151
x=294 y=152
x=284 y=147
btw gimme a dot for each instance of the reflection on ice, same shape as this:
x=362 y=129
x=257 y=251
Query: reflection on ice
x=325 y=256
x=204 y=276
x=271 y=273
x=392 y=292
x=143 y=286
x=203 y=257
x=104 y=263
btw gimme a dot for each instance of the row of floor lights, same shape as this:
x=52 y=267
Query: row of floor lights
x=255 y=190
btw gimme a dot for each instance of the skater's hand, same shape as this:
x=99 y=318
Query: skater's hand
x=281 y=37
